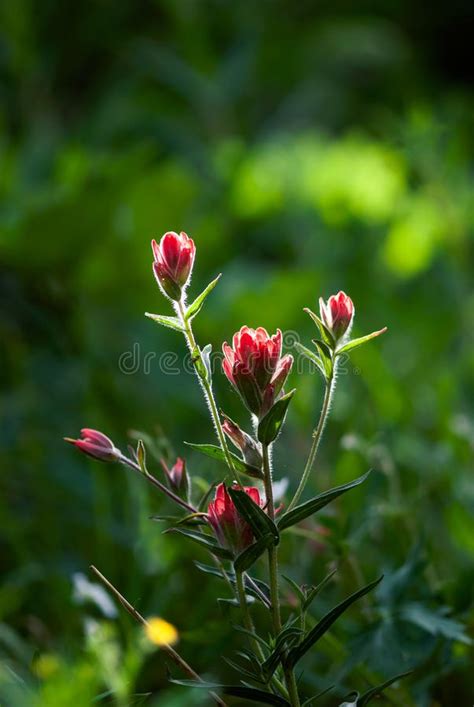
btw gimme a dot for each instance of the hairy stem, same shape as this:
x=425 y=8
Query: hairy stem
x=207 y=386
x=317 y=434
x=290 y=679
x=175 y=657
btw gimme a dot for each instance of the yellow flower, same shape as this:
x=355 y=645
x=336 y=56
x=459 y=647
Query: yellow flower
x=160 y=632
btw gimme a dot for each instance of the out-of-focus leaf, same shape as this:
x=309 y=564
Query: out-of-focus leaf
x=248 y=693
x=434 y=622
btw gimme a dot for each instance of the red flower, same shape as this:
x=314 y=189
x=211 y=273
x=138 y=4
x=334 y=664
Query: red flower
x=96 y=445
x=174 y=259
x=243 y=441
x=255 y=368
x=231 y=530
x=177 y=477
x=337 y=314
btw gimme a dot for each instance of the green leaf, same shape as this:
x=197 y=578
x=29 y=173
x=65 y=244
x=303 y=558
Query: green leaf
x=141 y=455
x=326 y=356
x=285 y=639
x=170 y=322
x=296 y=588
x=215 y=452
x=434 y=622
x=326 y=622
x=325 y=333
x=312 y=594
x=251 y=554
x=248 y=693
x=306 y=509
x=206 y=358
x=269 y=427
x=259 y=521
x=375 y=691
x=205 y=541
x=195 y=307
x=309 y=702
x=314 y=358
x=354 y=343
x=263 y=595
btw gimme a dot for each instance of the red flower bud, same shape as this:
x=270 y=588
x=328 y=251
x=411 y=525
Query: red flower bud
x=337 y=314
x=255 y=368
x=231 y=530
x=243 y=441
x=177 y=477
x=96 y=445
x=174 y=259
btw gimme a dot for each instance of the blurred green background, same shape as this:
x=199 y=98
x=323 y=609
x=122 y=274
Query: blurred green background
x=306 y=147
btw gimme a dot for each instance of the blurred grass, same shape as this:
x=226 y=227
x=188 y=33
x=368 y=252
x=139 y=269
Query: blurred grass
x=305 y=150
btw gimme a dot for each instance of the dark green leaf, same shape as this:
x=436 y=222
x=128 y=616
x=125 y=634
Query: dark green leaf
x=315 y=590
x=248 y=693
x=309 y=702
x=170 y=322
x=243 y=671
x=195 y=307
x=251 y=554
x=215 y=452
x=314 y=358
x=252 y=635
x=434 y=622
x=259 y=521
x=358 y=342
x=205 y=541
x=296 y=587
x=307 y=509
x=256 y=588
x=326 y=622
x=270 y=425
x=285 y=639
x=373 y=692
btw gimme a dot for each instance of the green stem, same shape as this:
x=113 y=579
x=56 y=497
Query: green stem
x=207 y=387
x=317 y=434
x=290 y=679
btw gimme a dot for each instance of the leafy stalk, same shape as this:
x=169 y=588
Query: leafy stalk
x=204 y=378
x=318 y=432
x=290 y=679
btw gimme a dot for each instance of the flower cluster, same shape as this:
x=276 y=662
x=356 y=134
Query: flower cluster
x=255 y=367
x=230 y=528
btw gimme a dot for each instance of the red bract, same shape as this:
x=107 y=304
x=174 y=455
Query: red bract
x=231 y=530
x=177 y=477
x=96 y=445
x=255 y=368
x=174 y=259
x=337 y=314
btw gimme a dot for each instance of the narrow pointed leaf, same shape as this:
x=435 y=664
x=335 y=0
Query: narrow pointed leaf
x=296 y=587
x=313 y=593
x=326 y=622
x=309 y=702
x=358 y=342
x=269 y=427
x=259 y=521
x=251 y=554
x=326 y=356
x=325 y=333
x=373 y=692
x=313 y=357
x=215 y=452
x=205 y=541
x=195 y=307
x=248 y=693
x=307 y=509
x=285 y=639
x=170 y=322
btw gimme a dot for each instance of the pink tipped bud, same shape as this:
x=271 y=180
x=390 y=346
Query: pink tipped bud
x=337 y=314
x=243 y=441
x=173 y=263
x=231 y=530
x=177 y=477
x=96 y=445
x=255 y=368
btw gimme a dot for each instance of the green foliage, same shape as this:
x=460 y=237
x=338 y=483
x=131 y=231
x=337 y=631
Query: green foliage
x=305 y=149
